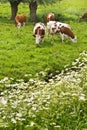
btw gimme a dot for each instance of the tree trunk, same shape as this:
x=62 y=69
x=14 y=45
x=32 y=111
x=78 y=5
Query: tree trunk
x=33 y=8
x=14 y=8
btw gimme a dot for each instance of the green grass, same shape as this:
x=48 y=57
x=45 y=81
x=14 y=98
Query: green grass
x=60 y=104
x=18 y=52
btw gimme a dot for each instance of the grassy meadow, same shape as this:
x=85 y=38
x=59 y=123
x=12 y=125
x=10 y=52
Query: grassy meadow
x=19 y=54
x=44 y=87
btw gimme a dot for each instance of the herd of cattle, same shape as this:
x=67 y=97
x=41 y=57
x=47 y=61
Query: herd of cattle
x=53 y=27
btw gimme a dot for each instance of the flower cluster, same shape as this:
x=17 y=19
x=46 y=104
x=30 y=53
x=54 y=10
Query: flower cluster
x=40 y=104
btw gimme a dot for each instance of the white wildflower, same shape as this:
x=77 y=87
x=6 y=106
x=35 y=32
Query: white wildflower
x=82 y=97
x=3 y=80
x=3 y=101
x=13 y=120
x=31 y=80
x=46 y=129
x=57 y=126
x=29 y=99
x=2 y=93
x=19 y=114
x=14 y=103
x=32 y=123
x=4 y=117
x=33 y=108
x=48 y=97
x=14 y=85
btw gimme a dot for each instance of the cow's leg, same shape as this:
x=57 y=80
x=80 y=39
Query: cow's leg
x=38 y=38
x=42 y=40
x=47 y=33
x=62 y=36
x=23 y=23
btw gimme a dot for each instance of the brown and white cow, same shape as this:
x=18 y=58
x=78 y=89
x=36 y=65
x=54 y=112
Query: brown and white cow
x=39 y=32
x=50 y=17
x=20 y=20
x=53 y=26
x=64 y=29
x=67 y=32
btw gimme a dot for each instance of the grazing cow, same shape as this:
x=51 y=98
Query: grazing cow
x=20 y=20
x=67 y=32
x=53 y=26
x=64 y=29
x=39 y=32
x=50 y=17
x=84 y=16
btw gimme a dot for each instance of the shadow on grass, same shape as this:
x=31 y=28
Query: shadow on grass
x=59 y=17
x=5 y=19
x=45 y=44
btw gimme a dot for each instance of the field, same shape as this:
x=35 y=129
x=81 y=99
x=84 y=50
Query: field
x=19 y=54
x=44 y=87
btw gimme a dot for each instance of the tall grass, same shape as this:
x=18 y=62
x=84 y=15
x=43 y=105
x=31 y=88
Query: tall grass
x=60 y=104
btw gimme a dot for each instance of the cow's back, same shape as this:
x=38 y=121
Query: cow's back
x=21 y=18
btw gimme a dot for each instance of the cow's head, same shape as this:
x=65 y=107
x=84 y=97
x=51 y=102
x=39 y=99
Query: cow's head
x=39 y=34
x=74 y=39
x=19 y=25
x=50 y=17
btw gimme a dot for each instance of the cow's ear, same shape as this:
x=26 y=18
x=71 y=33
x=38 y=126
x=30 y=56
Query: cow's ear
x=34 y=35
